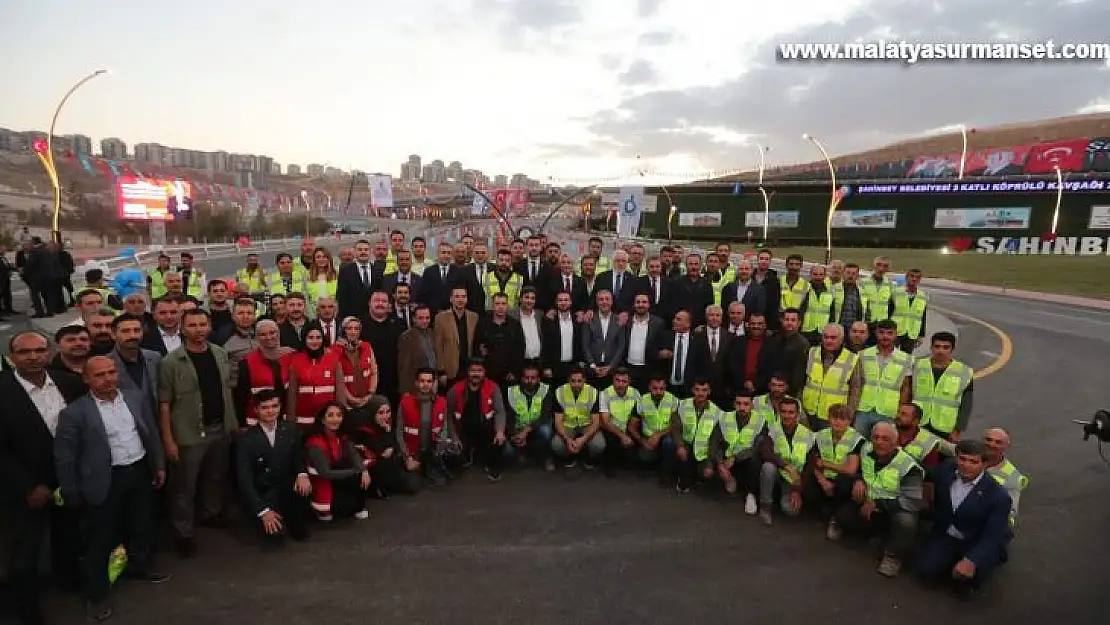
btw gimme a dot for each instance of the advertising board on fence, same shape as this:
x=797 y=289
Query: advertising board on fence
x=1100 y=218
x=1008 y=218
x=884 y=218
x=775 y=219
x=699 y=220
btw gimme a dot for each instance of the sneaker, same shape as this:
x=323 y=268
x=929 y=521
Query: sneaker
x=570 y=463
x=833 y=531
x=362 y=515
x=750 y=505
x=493 y=475
x=588 y=465
x=765 y=516
x=548 y=465
x=730 y=485
x=889 y=566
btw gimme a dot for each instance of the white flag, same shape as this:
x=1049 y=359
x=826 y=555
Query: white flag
x=381 y=190
x=630 y=205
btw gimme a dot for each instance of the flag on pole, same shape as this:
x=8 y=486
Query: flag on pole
x=630 y=206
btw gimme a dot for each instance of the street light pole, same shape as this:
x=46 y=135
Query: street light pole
x=45 y=154
x=566 y=199
x=766 y=199
x=832 y=197
x=1059 y=197
x=963 y=150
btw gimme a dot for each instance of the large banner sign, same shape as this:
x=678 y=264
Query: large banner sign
x=976 y=188
x=381 y=190
x=1016 y=218
x=779 y=219
x=699 y=220
x=1036 y=246
x=150 y=199
x=1100 y=218
x=884 y=218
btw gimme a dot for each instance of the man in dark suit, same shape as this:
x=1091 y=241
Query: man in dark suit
x=559 y=356
x=693 y=292
x=355 y=283
x=467 y=279
x=659 y=289
x=643 y=334
x=711 y=344
x=680 y=354
x=603 y=343
x=165 y=336
x=403 y=306
x=772 y=288
x=745 y=290
x=326 y=321
x=27 y=464
x=752 y=359
x=109 y=460
x=971 y=528
x=403 y=275
x=136 y=368
x=622 y=284
x=435 y=284
x=533 y=268
x=270 y=471
x=565 y=280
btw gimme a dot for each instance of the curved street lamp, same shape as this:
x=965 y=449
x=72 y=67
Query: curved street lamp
x=497 y=213
x=594 y=189
x=832 y=197
x=766 y=198
x=1059 y=197
x=963 y=150
x=44 y=150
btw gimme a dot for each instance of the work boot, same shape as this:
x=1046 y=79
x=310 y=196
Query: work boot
x=889 y=566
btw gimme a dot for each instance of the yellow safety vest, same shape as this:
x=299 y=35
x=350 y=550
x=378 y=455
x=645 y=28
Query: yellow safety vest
x=492 y=286
x=922 y=445
x=528 y=410
x=656 y=417
x=825 y=388
x=314 y=293
x=255 y=280
x=836 y=452
x=697 y=429
x=196 y=284
x=940 y=399
x=792 y=297
x=390 y=263
x=762 y=406
x=106 y=293
x=741 y=439
x=157 y=282
x=718 y=289
x=793 y=452
x=620 y=408
x=878 y=296
x=603 y=264
x=818 y=311
x=1008 y=477
x=908 y=312
x=886 y=483
x=576 y=410
x=838 y=302
x=882 y=386
x=277 y=285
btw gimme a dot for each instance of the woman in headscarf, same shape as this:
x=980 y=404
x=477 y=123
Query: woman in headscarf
x=358 y=366
x=313 y=375
x=339 y=476
x=377 y=440
x=323 y=280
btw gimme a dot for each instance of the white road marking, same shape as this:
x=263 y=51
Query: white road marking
x=988 y=354
x=1071 y=317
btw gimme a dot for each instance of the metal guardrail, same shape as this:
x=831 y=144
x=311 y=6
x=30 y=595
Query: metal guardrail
x=207 y=251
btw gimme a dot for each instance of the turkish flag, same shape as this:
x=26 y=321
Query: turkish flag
x=1067 y=155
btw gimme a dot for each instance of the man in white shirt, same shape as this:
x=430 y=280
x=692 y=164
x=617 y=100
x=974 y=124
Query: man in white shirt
x=681 y=373
x=167 y=337
x=641 y=351
x=603 y=342
x=736 y=315
x=712 y=346
x=562 y=343
x=326 y=310
x=531 y=322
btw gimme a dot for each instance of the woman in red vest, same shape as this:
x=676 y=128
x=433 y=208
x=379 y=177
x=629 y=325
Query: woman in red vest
x=377 y=439
x=336 y=469
x=313 y=372
x=358 y=366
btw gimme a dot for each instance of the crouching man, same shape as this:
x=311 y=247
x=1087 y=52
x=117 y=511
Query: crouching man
x=426 y=438
x=577 y=422
x=530 y=415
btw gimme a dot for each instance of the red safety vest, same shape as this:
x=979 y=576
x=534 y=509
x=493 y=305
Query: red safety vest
x=365 y=365
x=262 y=379
x=410 y=420
x=315 y=385
x=485 y=395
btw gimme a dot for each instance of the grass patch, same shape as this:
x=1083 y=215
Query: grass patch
x=1083 y=276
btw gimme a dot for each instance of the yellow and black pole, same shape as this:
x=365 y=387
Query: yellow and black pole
x=833 y=197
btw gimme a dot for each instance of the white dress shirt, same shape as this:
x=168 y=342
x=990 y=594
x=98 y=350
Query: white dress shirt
x=958 y=492
x=48 y=400
x=480 y=271
x=736 y=330
x=603 y=321
x=270 y=431
x=637 y=341
x=123 y=435
x=404 y=278
x=171 y=341
x=329 y=330
x=365 y=274
x=566 y=337
x=532 y=344
x=742 y=290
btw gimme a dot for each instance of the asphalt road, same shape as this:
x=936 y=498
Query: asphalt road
x=541 y=549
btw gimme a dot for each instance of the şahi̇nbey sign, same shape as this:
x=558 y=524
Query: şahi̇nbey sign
x=1036 y=246
x=1025 y=186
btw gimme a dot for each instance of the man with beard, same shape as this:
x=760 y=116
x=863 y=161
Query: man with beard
x=530 y=409
x=745 y=290
x=296 y=322
x=415 y=349
x=264 y=368
x=831 y=377
x=100 y=332
x=137 y=367
x=219 y=308
x=500 y=340
x=693 y=293
x=793 y=287
x=793 y=349
x=818 y=306
x=479 y=413
x=772 y=289
x=426 y=436
x=239 y=340
x=166 y=336
x=382 y=332
x=73 y=350
x=885 y=378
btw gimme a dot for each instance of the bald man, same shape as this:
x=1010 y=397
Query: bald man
x=997 y=441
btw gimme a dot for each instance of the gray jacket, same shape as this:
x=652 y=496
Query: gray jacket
x=83 y=456
x=611 y=347
x=149 y=388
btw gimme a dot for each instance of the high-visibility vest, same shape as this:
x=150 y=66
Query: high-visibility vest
x=761 y=406
x=728 y=274
x=492 y=286
x=196 y=287
x=818 y=310
x=836 y=452
x=922 y=445
x=741 y=439
x=698 y=428
x=255 y=280
x=277 y=286
x=106 y=294
x=314 y=293
x=315 y=385
x=792 y=297
x=656 y=417
x=718 y=289
x=940 y=400
x=884 y=483
x=418 y=266
x=1008 y=477
x=825 y=388
x=157 y=282
x=390 y=263
x=878 y=296
x=793 y=452
x=576 y=410
x=882 y=386
x=620 y=408
x=838 y=302
x=908 y=313
x=603 y=264
x=528 y=410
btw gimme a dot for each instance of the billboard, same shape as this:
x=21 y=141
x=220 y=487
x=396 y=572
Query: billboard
x=1009 y=218
x=611 y=202
x=699 y=220
x=780 y=219
x=149 y=199
x=885 y=218
x=1100 y=218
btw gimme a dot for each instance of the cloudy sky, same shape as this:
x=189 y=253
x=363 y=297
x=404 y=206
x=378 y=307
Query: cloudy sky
x=571 y=89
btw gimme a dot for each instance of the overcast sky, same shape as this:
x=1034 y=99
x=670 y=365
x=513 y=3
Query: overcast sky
x=569 y=89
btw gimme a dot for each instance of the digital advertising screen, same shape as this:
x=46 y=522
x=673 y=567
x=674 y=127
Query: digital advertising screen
x=153 y=199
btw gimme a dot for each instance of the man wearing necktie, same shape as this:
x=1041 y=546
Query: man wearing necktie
x=356 y=282
x=680 y=373
x=326 y=310
x=619 y=282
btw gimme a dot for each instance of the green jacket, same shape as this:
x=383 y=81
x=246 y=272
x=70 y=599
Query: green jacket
x=178 y=386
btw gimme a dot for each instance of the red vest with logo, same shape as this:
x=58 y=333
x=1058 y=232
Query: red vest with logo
x=262 y=378
x=315 y=385
x=365 y=365
x=485 y=397
x=410 y=420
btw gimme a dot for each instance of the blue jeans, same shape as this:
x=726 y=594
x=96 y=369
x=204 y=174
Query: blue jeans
x=537 y=446
x=664 y=451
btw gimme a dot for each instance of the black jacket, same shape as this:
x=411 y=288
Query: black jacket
x=264 y=471
x=504 y=347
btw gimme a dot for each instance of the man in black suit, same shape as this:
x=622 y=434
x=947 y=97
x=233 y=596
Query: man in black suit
x=466 y=278
x=772 y=288
x=109 y=459
x=642 y=342
x=681 y=355
x=622 y=284
x=30 y=478
x=752 y=359
x=971 y=529
x=435 y=284
x=355 y=283
x=165 y=336
x=745 y=290
x=712 y=343
x=270 y=471
x=403 y=275
x=566 y=281
x=533 y=268
x=693 y=292
x=559 y=356
x=658 y=288
x=403 y=307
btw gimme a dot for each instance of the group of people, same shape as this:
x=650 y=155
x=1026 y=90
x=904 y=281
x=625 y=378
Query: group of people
x=46 y=268
x=306 y=392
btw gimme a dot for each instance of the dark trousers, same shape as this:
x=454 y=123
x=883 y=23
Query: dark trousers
x=685 y=472
x=825 y=504
x=906 y=344
x=348 y=497
x=126 y=516
x=537 y=446
x=940 y=553
x=389 y=476
x=202 y=468
x=897 y=527
x=39 y=299
x=67 y=284
x=478 y=434
x=617 y=456
x=640 y=375
x=32 y=529
x=6 y=293
x=52 y=296
x=746 y=472
x=295 y=512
